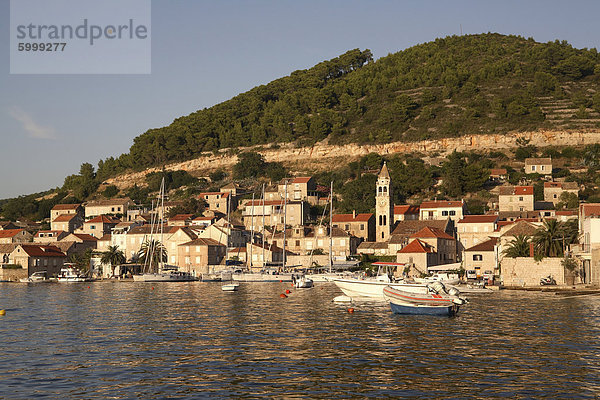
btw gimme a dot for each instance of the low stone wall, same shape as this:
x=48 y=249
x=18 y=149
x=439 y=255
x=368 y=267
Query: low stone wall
x=13 y=275
x=307 y=261
x=525 y=271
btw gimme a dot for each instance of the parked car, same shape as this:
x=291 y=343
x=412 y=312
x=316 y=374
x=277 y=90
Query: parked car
x=471 y=274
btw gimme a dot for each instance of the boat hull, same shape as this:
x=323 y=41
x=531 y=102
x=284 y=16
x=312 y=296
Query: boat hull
x=164 y=277
x=415 y=309
x=373 y=289
x=252 y=277
x=420 y=299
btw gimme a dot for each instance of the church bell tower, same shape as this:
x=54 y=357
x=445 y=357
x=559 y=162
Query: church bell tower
x=384 y=208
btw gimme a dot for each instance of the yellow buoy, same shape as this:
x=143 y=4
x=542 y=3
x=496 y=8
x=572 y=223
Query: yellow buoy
x=2 y=312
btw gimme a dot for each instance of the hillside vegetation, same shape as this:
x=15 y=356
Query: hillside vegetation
x=488 y=83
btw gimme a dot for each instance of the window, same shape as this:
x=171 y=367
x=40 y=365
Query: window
x=452 y=212
x=555 y=196
x=520 y=198
x=93 y=227
x=342 y=242
x=320 y=243
x=477 y=257
x=112 y=209
x=542 y=167
x=197 y=249
x=385 y=220
x=444 y=213
x=362 y=227
x=297 y=243
x=197 y=259
x=347 y=227
x=533 y=167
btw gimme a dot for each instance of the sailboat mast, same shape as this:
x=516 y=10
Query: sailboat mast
x=162 y=224
x=284 y=222
x=330 y=227
x=251 y=230
x=228 y=232
x=263 y=226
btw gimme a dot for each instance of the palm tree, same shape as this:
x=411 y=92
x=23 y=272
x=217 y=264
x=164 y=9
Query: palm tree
x=152 y=252
x=518 y=247
x=548 y=239
x=113 y=256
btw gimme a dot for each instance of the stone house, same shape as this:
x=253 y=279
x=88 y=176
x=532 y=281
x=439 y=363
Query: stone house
x=260 y=256
x=515 y=198
x=431 y=210
x=542 y=166
x=219 y=201
x=176 y=236
x=443 y=245
x=67 y=222
x=419 y=255
x=225 y=233
x=15 y=236
x=295 y=212
x=483 y=257
x=197 y=255
x=99 y=226
x=61 y=209
x=49 y=236
x=306 y=240
x=474 y=229
x=107 y=207
x=37 y=257
x=359 y=225
x=180 y=220
x=406 y=212
x=498 y=174
x=402 y=233
x=553 y=190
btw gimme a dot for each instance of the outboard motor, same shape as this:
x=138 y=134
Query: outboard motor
x=453 y=291
x=437 y=287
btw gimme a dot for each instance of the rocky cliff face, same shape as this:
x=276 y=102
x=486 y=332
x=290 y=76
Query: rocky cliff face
x=322 y=156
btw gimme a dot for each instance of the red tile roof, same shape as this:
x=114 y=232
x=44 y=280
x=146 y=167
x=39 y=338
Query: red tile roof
x=64 y=217
x=85 y=237
x=431 y=232
x=103 y=219
x=590 y=209
x=59 y=207
x=515 y=190
x=416 y=246
x=8 y=233
x=406 y=209
x=552 y=185
x=488 y=245
x=498 y=171
x=223 y=194
x=441 y=204
x=38 y=250
x=478 y=219
x=301 y=179
x=538 y=161
x=351 y=218
x=524 y=190
x=566 y=212
x=56 y=233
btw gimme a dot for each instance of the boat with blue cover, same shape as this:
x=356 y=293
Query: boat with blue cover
x=436 y=301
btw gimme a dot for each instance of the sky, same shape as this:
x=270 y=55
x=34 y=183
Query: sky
x=205 y=52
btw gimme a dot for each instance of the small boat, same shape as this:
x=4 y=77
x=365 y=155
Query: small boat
x=267 y=275
x=474 y=289
x=437 y=301
x=165 y=276
x=36 y=277
x=447 y=279
x=230 y=287
x=70 y=274
x=303 y=282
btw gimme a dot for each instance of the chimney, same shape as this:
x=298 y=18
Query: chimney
x=353 y=214
x=531 y=250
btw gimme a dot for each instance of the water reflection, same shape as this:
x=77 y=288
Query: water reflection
x=136 y=340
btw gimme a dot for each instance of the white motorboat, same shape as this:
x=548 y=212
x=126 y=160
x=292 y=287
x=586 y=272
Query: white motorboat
x=36 y=277
x=70 y=274
x=303 y=282
x=447 y=279
x=438 y=300
x=268 y=275
x=165 y=276
x=372 y=287
x=230 y=287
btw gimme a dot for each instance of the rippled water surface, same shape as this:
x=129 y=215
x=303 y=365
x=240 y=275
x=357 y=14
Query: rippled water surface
x=190 y=340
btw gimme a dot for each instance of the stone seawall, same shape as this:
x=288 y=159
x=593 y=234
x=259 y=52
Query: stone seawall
x=321 y=156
